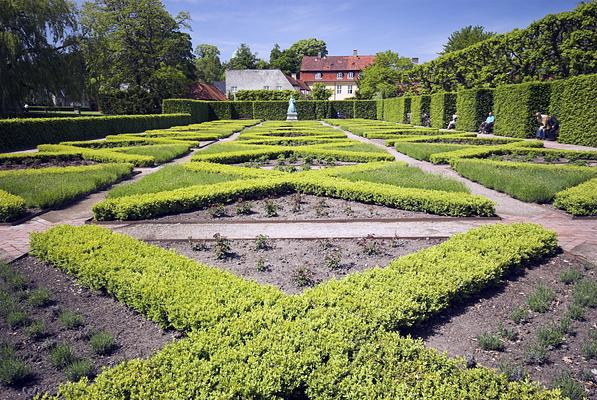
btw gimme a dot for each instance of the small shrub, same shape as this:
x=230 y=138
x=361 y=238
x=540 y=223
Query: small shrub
x=261 y=265
x=244 y=208
x=333 y=260
x=62 y=356
x=17 y=319
x=325 y=244
x=262 y=243
x=576 y=312
x=570 y=275
x=519 y=315
x=508 y=333
x=569 y=387
x=217 y=211
x=37 y=330
x=584 y=293
x=321 y=208
x=13 y=372
x=348 y=211
x=271 y=208
x=17 y=282
x=70 y=319
x=550 y=336
x=565 y=324
x=303 y=276
x=490 y=342
x=102 y=343
x=296 y=200
x=222 y=248
x=536 y=353
x=589 y=350
x=513 y=372
x=41 y=297
x=540 y=300
x=369 y=245
x=199 y=246
x=79 y=369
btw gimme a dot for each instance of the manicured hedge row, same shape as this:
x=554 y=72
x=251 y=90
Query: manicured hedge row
x=266 y=95
x=579 y=200
x=419 y=106
x=515 y=107
x=443 y=106
x=100 y=155
x=575 y=108
x=472 y=107
x=11 y=206
x=334 y=341
x=423 y=151
x=522 y=147
x=16 y=134
x=198 y=109
x=396 y=109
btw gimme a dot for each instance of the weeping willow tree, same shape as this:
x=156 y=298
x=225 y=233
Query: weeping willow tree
x=38 y=51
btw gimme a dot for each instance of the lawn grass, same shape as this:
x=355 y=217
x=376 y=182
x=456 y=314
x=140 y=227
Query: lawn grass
x=169 y=178
x=54 y=186
x=398 y=174
x=422 y=151
x=161 y=152
x=534 y=183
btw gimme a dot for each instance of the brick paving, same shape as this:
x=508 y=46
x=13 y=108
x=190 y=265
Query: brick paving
x=578 y=236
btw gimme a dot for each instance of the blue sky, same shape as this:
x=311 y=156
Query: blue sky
x=413 y=28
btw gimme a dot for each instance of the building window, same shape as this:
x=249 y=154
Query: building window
x=266 y=88
x=349 y=89
x=318 y=75
x=339 y=75
x=278 y=87
x=233 y=89
x=351 y=75
x=338 y=89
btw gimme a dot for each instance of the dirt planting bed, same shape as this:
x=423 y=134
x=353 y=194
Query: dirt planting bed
x=534 y=325
x=293 y=265
x=72 y=317
x=47 y=164
x=295 y=164
x=294 y=207
x=544 y=160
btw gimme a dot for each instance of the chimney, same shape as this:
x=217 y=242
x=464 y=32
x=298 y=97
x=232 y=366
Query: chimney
x=319 y=54
x=355 y=53
x=293 y=75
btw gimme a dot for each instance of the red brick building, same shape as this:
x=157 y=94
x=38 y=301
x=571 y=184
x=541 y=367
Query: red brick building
x=337 y=73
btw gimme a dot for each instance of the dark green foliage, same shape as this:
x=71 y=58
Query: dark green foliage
x=365 y=109
x=569 y=387
x=515 y=107
x=270 y=110
x=346 y=108
x=62 y=356
x=490 y=342
x=37 y=330
x=541 y=298
x=79 y=369
x=575 y=109
x=550 y=336
x=266 y=95
x=39 y=297
x=570 y=275
x=198 y=109
x=519 y=315
x=396 y=109
x=219 y=110
x=102 y=343
x=70 y=319
x=443 y=106
x=12 y=370
x=419 y=106
x=17 y=319
x=584 y=293
x=472 y=107
x=536 y=353
x=17 y=134
x=238 y=109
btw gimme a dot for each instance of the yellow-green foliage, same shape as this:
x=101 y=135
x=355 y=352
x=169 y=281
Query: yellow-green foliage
x=11 y=206
x=579 y=200
x=100 y=155
x=337 y=340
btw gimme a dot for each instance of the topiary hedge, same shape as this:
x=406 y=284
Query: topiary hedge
x=266 y=95
x=579 y=200
x=472 y=107
x=11 y=206
x=365 y=109
x=576 y=109
x=514 y=107
x=419 y=105
x=17 y=134
x=443 y=106
x=396 y=109
x=198 y=109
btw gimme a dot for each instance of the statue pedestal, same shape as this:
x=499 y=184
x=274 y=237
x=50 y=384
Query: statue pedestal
x=291 y=117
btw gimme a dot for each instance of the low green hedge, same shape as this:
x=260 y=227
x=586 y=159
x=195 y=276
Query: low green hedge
x=443 y=106
x=17 y=134
x=423 y=151
x=100 y=155
x=419 y=105
x=472 y=107
x=337 y=340
x=11 y=206
x=515 y=107
x=579 y=200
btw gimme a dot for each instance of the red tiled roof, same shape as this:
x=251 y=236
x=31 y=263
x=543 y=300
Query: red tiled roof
x=205 y=91
x=336 y=63
x=297 y=82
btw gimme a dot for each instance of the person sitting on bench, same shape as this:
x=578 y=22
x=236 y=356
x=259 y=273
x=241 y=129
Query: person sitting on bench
x=452 y=124
x=487 y=125
x=549 y=126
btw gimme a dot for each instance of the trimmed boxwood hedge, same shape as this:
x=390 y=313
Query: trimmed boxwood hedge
x=576 y=109
x=443 y=106
x=26 y=133
x=11 y=206
x=515 y=107
x=396 y=109
x=270 y=110
x=579 y=200
x=419 y=105
x=472 y=107
x=365 y=109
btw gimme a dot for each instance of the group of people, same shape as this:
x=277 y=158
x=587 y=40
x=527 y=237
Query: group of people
x=549 y=126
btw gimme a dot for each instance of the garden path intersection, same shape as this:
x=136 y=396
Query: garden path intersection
x=576 y=235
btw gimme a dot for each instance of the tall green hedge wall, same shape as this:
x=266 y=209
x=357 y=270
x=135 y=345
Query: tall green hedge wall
x=576 y=108
x=26 y=133
x=271 y=110
x=443 y=106
x=265 y=95
x=419 y=105
x=396 y=109
x=515 y=106
x=472 y=107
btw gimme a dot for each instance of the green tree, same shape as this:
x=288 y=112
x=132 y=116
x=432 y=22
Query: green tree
x=275 y=53
x=208 y=65
x=320 y=92
x=289 y=60
x=38 y=51
x=243 y=58
x=261 y=64
x=136 y=54
x=466 y=37
x=383 y=76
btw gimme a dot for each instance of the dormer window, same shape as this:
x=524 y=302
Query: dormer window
x=339 y=75
x=351 y=75
x=318 y=75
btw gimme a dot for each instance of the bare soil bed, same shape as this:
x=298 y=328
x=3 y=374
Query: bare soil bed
x=294 y=207
x=295 y=164
x=134 y=336
x=47 y=164
x=544 y=160
x=501 y=315
x=293 y=265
